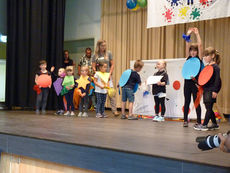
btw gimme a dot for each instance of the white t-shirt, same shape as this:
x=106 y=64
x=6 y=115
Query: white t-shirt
x=98 y=89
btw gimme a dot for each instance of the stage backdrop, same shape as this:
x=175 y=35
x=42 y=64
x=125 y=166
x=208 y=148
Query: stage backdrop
x=168 y=12
x=144 y=105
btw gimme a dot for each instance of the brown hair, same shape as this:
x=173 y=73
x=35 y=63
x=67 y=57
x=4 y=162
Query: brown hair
x=138 y=64
x=101 y=64
x=194 y=47
x=69 y=69
x=97 y=50
x=211 y=51
x=42 y=62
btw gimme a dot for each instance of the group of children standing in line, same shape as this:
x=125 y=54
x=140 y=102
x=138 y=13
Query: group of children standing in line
x=211 y=89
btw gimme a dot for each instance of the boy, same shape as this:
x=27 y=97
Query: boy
x=128 y=90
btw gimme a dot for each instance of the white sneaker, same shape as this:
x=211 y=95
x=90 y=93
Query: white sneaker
x=160 y=119
x=85 y=114
x=67 y=113
x=156 y=118
x=80 y=114
x=72 y=113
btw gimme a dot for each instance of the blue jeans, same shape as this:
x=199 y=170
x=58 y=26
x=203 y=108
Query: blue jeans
x=42 y=99
x=84 y=102
x=69 y=99
x=127 y=93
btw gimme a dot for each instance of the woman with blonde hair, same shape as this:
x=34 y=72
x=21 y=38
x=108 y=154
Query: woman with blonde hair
x=103 y=55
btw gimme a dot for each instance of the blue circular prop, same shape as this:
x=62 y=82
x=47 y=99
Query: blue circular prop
x=191 y=68
x=124 y=77
x=135 y=87
x=131 y=4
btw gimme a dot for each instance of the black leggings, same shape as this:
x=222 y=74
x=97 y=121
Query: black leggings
x=209 y=114
x=191 y=89
x=158 y=102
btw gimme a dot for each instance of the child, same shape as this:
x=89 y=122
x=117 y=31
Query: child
x=190 y=87
x=159 y=90
x=42 y=97
x=100 y=91
x=58 y=85
x=211 y=89
x=83 y=84
x=127 y=90
x=68 y=86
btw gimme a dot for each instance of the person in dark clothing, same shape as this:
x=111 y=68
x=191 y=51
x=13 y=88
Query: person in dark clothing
x=212 y=88
x=159 y=90
x=190 y=87
x=66 y=60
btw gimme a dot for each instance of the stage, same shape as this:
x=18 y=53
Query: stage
x=163 y=140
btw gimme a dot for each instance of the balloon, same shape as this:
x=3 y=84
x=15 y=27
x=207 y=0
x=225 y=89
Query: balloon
x=136 y=8
x=205 y=75
x=142 y=3
x=124 y=77
x=191 y=68
x=131 y=4
x=44 y=80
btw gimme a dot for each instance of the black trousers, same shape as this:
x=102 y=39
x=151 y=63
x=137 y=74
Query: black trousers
x=209 y=114
x=190 y=89
x=60 y=105
x=158 y=102
x=69 y=99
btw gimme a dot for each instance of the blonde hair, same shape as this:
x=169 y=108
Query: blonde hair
x=97 y=50
x=138 y=64
x=85 y=66
x=164 y=62
x=211 y=51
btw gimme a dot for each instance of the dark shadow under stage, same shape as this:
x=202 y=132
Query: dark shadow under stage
x=23 y=132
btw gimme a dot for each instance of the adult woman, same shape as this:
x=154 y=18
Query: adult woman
x=102 y=54
x=66 y=59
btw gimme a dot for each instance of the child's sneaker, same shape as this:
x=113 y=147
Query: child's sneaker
x=204 y=128
x=104 y=115
x=61 y=112
x=67 y=113
x=85 y=114
x=132 y=117
x=123 y=117
x=214 y=127
x=80 y=114
x=197 y=126
x=156 y=118
x=43 y=112
x=37 y=111
x=72 y=113
x=160 y=119
x=98 y=115
x=57 y=113
x=185 y=124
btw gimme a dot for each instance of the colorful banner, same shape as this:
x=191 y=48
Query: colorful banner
x=169 y=12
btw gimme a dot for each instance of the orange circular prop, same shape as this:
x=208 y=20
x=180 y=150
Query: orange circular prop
x=44 y=80
x=205 y=75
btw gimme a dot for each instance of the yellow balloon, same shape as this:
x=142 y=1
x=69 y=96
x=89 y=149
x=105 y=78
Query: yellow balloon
x=136 y=8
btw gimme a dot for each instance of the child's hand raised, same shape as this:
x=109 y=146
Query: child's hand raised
x=52 y=68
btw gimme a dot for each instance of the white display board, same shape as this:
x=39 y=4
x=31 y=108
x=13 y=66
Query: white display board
x=2 y=79
x=144 y=104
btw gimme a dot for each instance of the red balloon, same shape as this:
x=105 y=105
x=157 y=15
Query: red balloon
x=44 y=80
x=176 y=85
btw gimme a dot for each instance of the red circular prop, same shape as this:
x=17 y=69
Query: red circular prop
x=205 y=75
x=188 y=110
x=176 y=85
x=44 y=80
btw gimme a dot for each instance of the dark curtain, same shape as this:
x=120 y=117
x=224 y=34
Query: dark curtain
x=35 y=30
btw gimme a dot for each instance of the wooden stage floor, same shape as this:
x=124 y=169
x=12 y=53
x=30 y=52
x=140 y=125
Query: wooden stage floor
x=166 y=139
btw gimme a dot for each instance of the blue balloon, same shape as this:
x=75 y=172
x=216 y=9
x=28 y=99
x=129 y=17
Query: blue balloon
x=131 y=4
x=191 y=68
x=124 y=77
